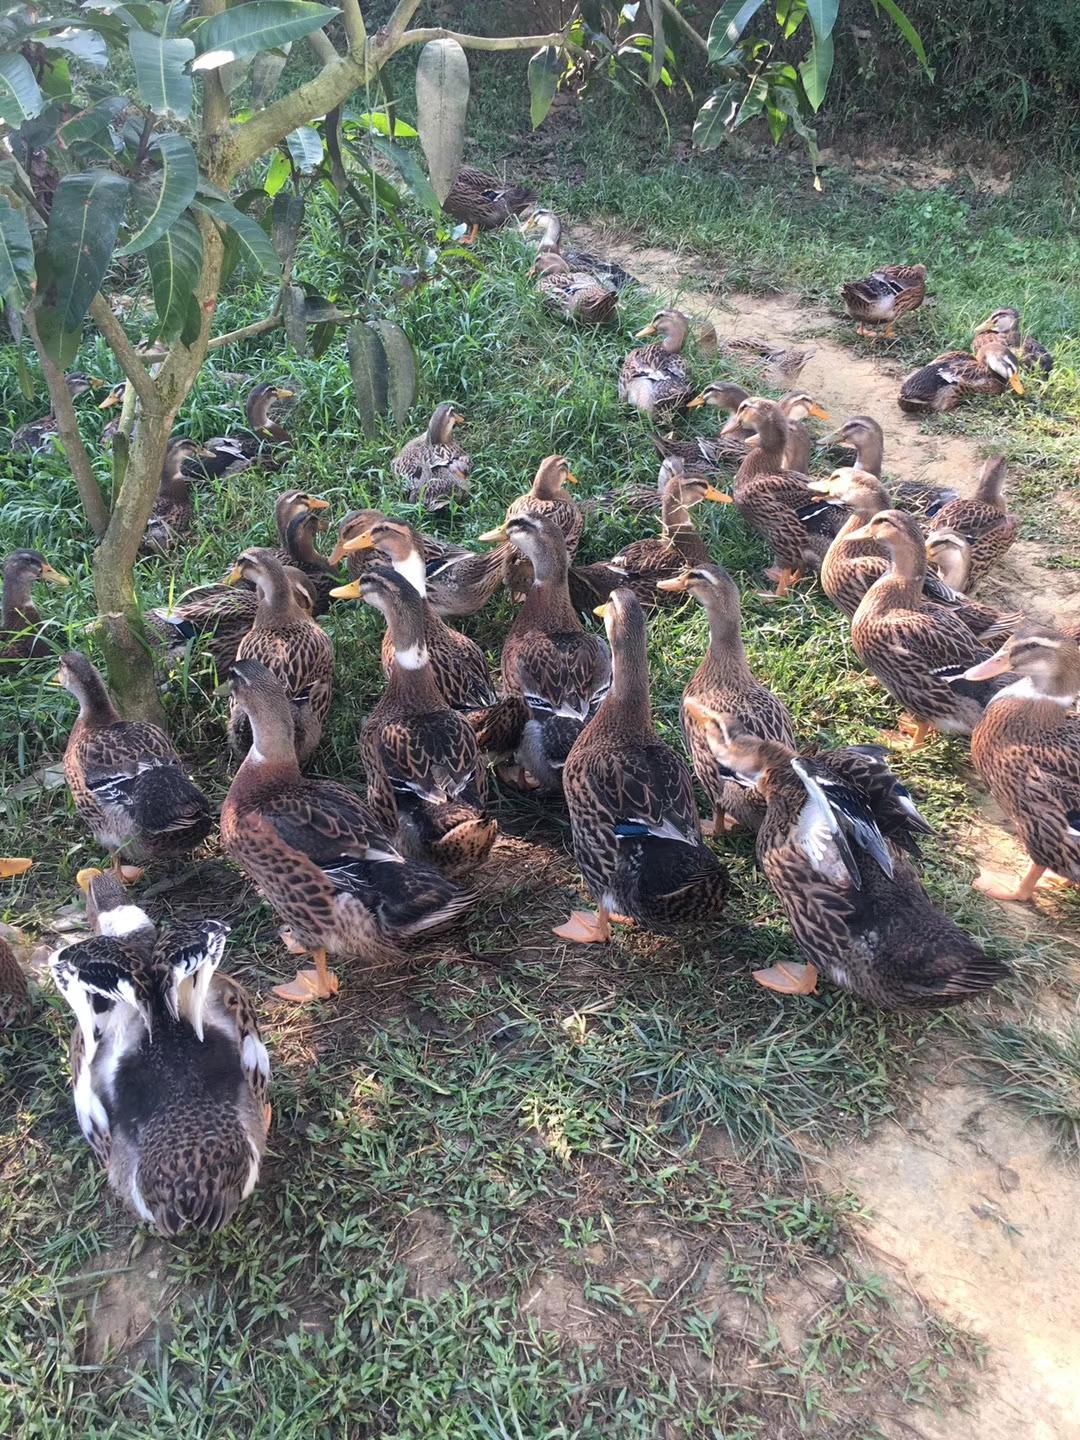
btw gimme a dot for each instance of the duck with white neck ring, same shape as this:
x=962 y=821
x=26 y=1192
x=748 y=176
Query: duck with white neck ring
x=319 y=855
x=633 y=815
x=1026 y=748
x=426 y=781
x=169 y=1071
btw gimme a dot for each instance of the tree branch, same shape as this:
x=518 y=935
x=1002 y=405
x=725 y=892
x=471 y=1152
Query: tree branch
x=125 y=352
x=685 y=26
x=321 y=46
x=215 y=109
x=67 y=427
x=333 y=84
x=387 y=39
x=272 y=322
x=355 y=28
x=480 y=42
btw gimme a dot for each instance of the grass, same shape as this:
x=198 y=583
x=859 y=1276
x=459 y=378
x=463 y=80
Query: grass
x=517 y=1191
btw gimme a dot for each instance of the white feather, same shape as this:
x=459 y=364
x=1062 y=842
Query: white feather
x=255 y=1056
x=124 y=920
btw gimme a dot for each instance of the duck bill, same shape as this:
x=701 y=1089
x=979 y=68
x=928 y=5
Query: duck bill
x=720 y=496
x=358 y=542
x=11 y=865
x=53 y=576
x=235 y=575
x=647 y=331
x=695 y=402
x=731 y=426
x=677 y=584
x=985 y=328
x=998 y=664
x=603 y=611
x=346 y=592
x=285 y=394
x=316 y=502
x=110 y=401
x=572 y=479
x=1016 y=384
x=863 y=533
x=819 y=487
x=489 y=537
x=818 y=413
x=834 y=437
x=85 y=878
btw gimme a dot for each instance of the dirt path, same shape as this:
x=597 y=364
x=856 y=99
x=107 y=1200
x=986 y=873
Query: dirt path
x=968 y=1206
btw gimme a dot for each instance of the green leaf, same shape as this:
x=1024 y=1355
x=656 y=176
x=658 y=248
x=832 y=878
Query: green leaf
x=179 y=181
x=83 y=226
x=16 y=256
x=385 y=192
x=20 y=96
x=411 y=173
x=904 y=25
x=368 y=366
x=278 y=174
x=823 y=16
x=716 y=115
x=379 y=121
x=262 y=25
x=175 y=264
x=306 y=148
x=787 y=98
x=728 y=25
x=287 y=219
x=400 y=369
x=778 y=123
x=256 y=249
x=85 y=45
x=165 y=87
x=442 y=98
x=816 y=69
x=88 y=126
x=545 y=67
x=656 y=55
x=789 y=16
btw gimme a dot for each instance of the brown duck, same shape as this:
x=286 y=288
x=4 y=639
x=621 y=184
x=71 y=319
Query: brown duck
x=318 y=854
x=20 y=622
x=549 y=497
x=657 y=376
x=14 y=992
x=173 y=513
x=983 y=520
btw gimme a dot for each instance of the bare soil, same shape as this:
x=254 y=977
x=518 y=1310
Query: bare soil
x=970 y=1212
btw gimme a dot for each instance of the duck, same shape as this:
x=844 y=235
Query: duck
x=919 y=651
x=634 y=823
x=114 y=397
x=319 y=855
x=710 y=452
x=850 y=567
x=573 y=294
x=836 y=845
x=949 y=553
x=173 y=513
x=484 y=202
x=884 y=297
x=298 y=518
x=456 y=661
x=15 y=1003
x=1026 y=749
x=1006 y=322
x=778 y=366
x=560 y=670
x=219 y=616
x=551 y=242
x=457 y=581
x=291 y=644
x=983 y=521
x=126 y=779
x=770 y=497
x=168 y=1067
x=36 y=434
x=724 y=683
x=864 y=435
x=657 y=376
x=547 y=496
x=20 y=622
x=266 y=443
x=950 y=378
x=427 y=784
x=645 y=564
x=433 y=465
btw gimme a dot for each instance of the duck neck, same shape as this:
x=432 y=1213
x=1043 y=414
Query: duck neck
x=627 y=702
x=870 y=451
x=799 y=447
x=412 y=680
x=768 y=454
x=257 y=409
x=17 y=610
x=412 y=567
x=300 y=543
x=674 y=511
x=95 y=704
x=902 y=583
x=273 y=746
x=551 y=237
x=990 y=490
x=277 y=602
x=727 y=653
x=548 y=600
x=174 y=484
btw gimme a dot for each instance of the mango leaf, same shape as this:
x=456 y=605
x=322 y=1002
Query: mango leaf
x=256 y=249
x=84 y=44
x=379 y=121
x=786 y=98
x=20 y=96
x=411 y=173
x=333 y=127
x=89 y=126
x=823 y=16
x=83 y=226
x=287 y=220
x=816 y=69
x=278 y=173
x=179 y=181
x=165 y=87
x=386 y=193
x=716 y=115
x=262 y=25
x=789 y=16
x=400 y=369
x=306 y=148
x=16 y=256
x=904 y=25
x=265 y=73
x=368 y=366
x=293 y=317
x=442 y=98
x=545 y=67
x=175 y=264
x=728 y=24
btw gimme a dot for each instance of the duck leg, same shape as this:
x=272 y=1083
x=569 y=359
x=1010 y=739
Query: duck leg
x=318 y=984
x=470 y=238
x=789 y=978
x=916 y=730
x=126 y=874
x=785 y=578
x=1023 y=890
x=720 y=824
x=586 y=927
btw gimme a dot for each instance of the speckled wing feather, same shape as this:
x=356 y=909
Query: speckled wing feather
x=568 y=673
x=433 y=756
x=236 y=1004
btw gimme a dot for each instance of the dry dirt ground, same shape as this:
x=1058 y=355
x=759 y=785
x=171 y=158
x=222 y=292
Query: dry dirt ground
x=969 y=1209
